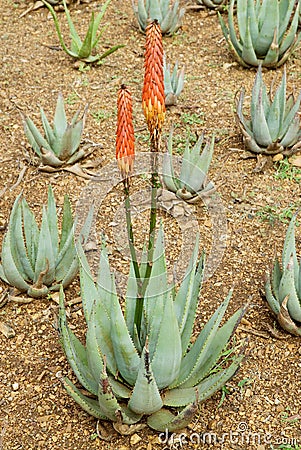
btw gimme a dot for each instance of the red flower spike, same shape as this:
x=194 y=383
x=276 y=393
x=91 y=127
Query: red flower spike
x=125 y=140
x=153 y=99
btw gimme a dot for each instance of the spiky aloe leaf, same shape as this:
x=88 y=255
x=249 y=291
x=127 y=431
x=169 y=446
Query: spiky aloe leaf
x=108 y=403
x=145 y=398
x=17 y=243
x=98 y=305
x=125 y=353
x=180 y=397
x=86 y=47
x=202 y=350
x=31 y=232
x=287 y=287
x=276 y=277
x=52 y=221
x=168 y=352
x=171 y=182
x=260 y=127
x=212 y=352
x=94 y=354
x=289 y=255
x=45 y=253
x=187 y=297
x=271 y=298
x=75 y=351
x=35 y=138
x=60 y=120
x=165 y=420
x=88 y=404
x=49 y=133
x=11 y=272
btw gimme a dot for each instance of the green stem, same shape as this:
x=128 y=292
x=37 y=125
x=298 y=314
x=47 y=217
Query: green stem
x=129 y=226
x=153 y=219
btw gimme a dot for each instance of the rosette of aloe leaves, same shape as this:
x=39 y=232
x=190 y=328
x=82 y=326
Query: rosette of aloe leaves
x=139 y=359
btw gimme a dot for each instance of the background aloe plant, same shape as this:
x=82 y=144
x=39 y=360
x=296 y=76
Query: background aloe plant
x=274 y=124
x=149 y=373
x=283 y=286
x=83 y=49
x=267 y=35
x=37 y=260
x=167 y=12
x=173 y=83
x=60 y=144
x=192 y=183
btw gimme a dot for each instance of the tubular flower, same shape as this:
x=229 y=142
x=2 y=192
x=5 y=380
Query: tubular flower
x=153 y=102
x=125 y=152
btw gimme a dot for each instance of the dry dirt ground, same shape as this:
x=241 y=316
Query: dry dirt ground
x=261 y=407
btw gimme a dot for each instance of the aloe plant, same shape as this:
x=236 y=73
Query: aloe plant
x=37 y=260
x=274 y=124
x=218 y=5
x=173 y=83
x=151 y=373
x=267 y=35
x=60 y=144
x=83 y=49
x=167 y=12
x=283 y=285
x=192 y=183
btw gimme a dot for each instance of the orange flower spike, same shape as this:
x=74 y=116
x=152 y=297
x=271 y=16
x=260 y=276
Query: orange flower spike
x=125 y=139
x=153 y=99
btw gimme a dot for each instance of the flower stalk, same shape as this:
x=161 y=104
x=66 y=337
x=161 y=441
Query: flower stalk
x=125 y=155
x=153 y=104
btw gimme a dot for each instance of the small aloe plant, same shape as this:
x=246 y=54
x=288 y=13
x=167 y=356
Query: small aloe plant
x=274 y=124
x=173 y=83
x=37 y=260
x=283 y=285
x=167 y=12
x=192 y=183
x=60 y=145
x=267 y=35
x=149 y=373
x=83 y=50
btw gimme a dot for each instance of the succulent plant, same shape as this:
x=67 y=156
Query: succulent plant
x=218 y=5
x=83 y=50
x=191 y=184
x=274 y=124
x=267 y=35
x=60 y=145
x=173 y=83
x=35 y=260
x=283 y=285
x=159 y=370
x=167 y=12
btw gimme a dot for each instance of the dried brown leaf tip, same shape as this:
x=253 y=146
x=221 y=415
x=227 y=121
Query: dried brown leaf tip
x=125 y=140
x=153 y=102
